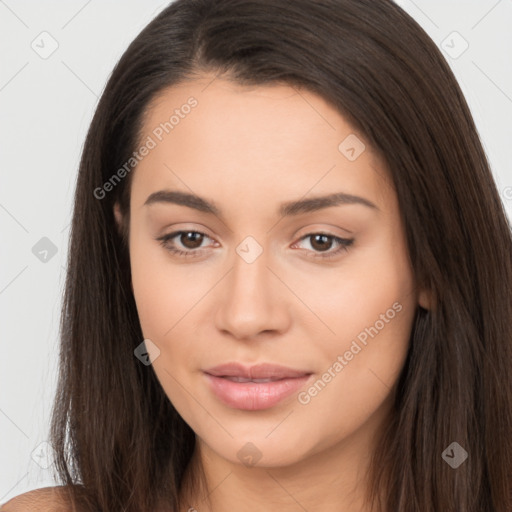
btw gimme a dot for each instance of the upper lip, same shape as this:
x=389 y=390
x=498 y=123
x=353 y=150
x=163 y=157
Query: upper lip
x=258 y=371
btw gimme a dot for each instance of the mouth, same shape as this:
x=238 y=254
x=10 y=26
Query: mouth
x=256 y=372
x=243 y=379
x=254 y=388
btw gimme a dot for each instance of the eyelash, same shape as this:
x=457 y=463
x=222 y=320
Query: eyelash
x=164 y=241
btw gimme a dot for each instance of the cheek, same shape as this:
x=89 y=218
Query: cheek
x=168 y=297
x=369 y=306
x=165 y=296
x=164 y=291
x=373 y=317
x=352 y=296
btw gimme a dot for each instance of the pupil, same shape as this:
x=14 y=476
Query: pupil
x=324 y=239
x=192 y=238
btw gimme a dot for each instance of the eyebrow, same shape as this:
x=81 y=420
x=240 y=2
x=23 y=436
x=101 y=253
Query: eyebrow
x=286 y=209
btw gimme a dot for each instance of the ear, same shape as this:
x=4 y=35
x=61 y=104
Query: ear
x=425 y=299
x=121 y=227
x=119 y=218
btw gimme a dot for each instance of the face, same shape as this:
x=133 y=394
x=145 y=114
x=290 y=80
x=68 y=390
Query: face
x=241 y=274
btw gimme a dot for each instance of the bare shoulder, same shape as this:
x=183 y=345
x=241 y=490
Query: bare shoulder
x=46 y=499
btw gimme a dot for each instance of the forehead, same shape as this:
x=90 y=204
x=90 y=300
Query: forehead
x=211 y=133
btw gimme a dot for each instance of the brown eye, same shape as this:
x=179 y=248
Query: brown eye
x=322 y=243
x=191 y=239
x=184 y=243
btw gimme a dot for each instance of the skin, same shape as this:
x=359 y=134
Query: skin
x=249 y=150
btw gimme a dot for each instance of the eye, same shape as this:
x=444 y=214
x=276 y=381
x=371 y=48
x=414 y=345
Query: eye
x=190 y=240
x=191 y=243
x=321 y=243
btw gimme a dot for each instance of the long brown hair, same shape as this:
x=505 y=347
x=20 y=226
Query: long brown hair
x=119 y=442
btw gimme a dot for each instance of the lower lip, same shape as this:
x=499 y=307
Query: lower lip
x=254 y=396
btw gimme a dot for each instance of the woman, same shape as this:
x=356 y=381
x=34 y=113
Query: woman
x=289 y=274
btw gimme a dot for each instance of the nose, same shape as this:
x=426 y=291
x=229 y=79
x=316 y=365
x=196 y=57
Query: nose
x=252 y=300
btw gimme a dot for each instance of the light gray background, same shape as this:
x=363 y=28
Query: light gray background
x=46 y=106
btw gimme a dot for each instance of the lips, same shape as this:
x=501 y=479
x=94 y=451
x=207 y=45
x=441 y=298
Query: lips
x=264 y=372
x=253 y=388
x=243 y=379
